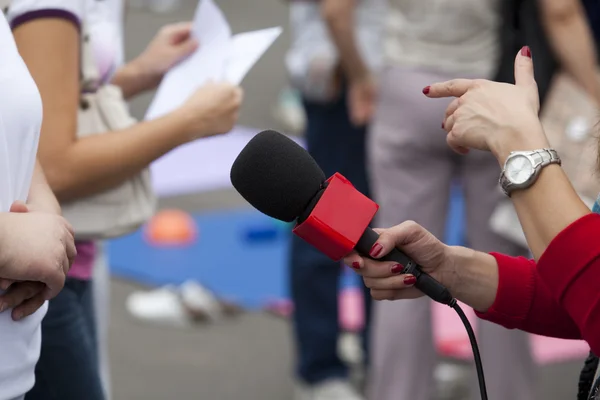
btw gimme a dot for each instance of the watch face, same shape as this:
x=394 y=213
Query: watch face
x=518 y=169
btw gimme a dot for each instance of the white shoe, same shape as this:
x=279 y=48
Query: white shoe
x=162 y=306
x=334 y=389
x=452 y=381
x=179 y=306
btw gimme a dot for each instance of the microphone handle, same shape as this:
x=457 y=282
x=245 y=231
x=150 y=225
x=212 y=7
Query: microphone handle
x=425 y=283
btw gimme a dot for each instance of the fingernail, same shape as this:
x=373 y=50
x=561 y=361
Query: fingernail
x=410 y=280
x=398 y=268
x=19 y=314
x=442 y=124
x=375 y=250
x=526 y=51
x=3 y=307
x=426 y=89
x=356 y=265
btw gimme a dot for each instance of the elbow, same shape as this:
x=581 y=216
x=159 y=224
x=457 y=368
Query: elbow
x=60 y=182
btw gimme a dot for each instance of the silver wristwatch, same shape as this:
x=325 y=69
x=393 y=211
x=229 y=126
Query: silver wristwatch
x=522 y=168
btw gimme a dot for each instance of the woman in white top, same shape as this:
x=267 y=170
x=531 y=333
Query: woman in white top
x=36 y=243
x=47 y=33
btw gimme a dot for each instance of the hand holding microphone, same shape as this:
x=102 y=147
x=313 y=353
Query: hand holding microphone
x=386 y=279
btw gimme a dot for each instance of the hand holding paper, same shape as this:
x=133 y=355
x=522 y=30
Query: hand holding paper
x=220 y=57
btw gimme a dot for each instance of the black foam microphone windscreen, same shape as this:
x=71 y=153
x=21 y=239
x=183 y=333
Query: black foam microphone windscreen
x=276 y=175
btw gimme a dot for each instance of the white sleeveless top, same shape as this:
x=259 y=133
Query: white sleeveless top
x=456 y=36
x=20 y=122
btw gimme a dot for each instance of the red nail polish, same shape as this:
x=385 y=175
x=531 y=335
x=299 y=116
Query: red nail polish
x=398 y=268
x=356 y=265
x=442 y=124
x=426 y=89
x=375 y=250
x=410 y=280
x=526 y=51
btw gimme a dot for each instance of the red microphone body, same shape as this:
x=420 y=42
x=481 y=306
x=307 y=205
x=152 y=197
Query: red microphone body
x=339 y=218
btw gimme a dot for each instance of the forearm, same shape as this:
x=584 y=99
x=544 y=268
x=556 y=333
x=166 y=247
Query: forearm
x=339 y=16
x=99 y=162
x=474 y=277
x=572 y=42
x=41 y=196
x=550 y=204
x=132 y=80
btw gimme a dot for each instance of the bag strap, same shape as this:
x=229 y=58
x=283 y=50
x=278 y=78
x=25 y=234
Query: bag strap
x=89 y=74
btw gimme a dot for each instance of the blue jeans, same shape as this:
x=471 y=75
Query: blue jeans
x=337 y=146
x=68 y=365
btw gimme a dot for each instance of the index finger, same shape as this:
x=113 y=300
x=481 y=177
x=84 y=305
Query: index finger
x=452 y=88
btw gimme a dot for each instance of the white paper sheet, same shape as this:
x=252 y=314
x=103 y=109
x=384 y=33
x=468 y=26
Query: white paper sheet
x=219 y=57
x=246 y=50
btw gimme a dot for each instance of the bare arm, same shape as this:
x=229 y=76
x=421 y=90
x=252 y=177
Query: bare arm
x=41 y=197
x=572 y=41
x=79 y=167
x=339 y=15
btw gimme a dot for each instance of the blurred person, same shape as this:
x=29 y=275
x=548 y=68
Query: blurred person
x=411 y=168
x=48 y=34
x=562 y=33
x=556 y=294
x=36 y=243
x=337 y=142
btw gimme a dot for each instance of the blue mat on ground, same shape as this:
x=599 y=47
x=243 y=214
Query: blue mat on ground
x=239 y=254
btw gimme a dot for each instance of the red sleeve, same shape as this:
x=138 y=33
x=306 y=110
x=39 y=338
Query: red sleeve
x=524 y=302
x=570 y=269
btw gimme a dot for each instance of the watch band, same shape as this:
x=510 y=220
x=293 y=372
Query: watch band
x=540 y=157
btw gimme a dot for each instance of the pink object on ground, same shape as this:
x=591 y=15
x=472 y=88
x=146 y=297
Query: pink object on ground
x=281 y=308
x=351 y=310
x=452 y=339
x=449 y=333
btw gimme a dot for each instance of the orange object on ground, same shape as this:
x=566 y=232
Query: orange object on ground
x=171 y=228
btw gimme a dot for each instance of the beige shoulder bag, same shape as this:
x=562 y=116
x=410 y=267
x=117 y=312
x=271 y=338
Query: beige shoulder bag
x=124 y=208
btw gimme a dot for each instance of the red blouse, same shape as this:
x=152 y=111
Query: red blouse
x=558 y=297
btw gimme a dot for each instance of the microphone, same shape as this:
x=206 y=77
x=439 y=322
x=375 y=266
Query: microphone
x=280 y=179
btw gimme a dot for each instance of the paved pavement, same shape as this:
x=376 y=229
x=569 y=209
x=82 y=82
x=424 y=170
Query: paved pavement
x=248 y=358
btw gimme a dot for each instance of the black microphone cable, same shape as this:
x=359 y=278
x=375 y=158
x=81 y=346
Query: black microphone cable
x=476 y=355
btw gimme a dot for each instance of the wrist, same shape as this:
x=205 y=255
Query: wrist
x=185 y=125
x=475 y=277
x=530 y=137
x=145 y=79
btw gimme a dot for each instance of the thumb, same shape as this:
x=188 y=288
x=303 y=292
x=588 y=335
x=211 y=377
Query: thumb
x=524 y=75
x=18 y=207
x=404 y=234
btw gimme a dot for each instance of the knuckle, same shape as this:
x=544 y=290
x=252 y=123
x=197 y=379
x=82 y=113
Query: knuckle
x=410 y=225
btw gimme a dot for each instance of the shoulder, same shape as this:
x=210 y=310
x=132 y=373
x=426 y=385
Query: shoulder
x=21 y=11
